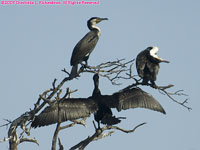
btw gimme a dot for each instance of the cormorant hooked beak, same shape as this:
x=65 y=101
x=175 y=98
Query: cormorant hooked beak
x=93 y=21
x=100 y=19
x=162 y=60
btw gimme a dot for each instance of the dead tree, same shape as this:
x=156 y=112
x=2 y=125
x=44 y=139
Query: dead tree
x=113 y=71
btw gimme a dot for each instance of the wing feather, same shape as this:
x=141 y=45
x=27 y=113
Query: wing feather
x=141 y=63
x=133 y=98
x=84 y=47
x=70 y=109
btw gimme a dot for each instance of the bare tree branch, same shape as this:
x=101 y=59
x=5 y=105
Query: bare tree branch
x=111 y=70
x=29 y=115
x=81 y=122
x=9 y=122
x=98 y=135
x=55 y=136
x=103 y=135
x=60 y=144
x=177 y=93
x=5 y=139
x=58 y=127
x=28 y=140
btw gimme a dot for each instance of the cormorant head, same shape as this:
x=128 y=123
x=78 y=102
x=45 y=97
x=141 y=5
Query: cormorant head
x=96 y=77
x=153 y=50
x=93 y=21
x=96 y=91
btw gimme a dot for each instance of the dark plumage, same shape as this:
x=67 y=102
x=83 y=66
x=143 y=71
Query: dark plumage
x=86 y=45
x=147 y=64
x=104 y=113
x=70 y=109
x=100 y=105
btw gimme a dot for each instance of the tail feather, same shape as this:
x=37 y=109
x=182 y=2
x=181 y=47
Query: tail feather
x=74 y=73
x=110 y=120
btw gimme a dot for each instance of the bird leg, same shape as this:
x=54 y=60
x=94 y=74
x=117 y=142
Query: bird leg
x=99 y=125
x=84 y=65
x=144 y=81
x=153 y=84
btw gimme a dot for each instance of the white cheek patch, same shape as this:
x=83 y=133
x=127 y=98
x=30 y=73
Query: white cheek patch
x=94 y=20
x=156 y=56
x=154 y=51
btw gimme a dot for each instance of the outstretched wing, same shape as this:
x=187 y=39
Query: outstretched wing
x=70 y=109
x=133 y=98
x=84 y=47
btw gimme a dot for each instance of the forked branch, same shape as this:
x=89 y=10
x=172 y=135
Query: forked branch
x=99 y=135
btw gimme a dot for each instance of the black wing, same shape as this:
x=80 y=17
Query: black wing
x=84 y=47
x=141 y=60
x=132 y=98
x=70 y=109
x=153 y=69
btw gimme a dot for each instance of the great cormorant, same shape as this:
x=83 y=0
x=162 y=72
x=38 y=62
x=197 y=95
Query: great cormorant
x=86 y=45
x=100 y=105
x=147 y=64
x=104 y=114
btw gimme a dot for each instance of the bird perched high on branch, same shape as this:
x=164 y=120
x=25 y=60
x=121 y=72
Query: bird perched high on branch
x=147 y=64
x=86 y=45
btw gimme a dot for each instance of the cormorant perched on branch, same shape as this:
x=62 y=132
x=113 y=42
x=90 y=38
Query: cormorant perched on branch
x=147 y=64
x=75 y=108
x=86 y=45
x=104 y=113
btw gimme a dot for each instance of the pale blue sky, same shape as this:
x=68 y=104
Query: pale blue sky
x=36 y=42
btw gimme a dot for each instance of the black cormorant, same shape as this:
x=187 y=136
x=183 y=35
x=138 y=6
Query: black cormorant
x=100 y=105
x=147 y=64
x=104 y=114
x=86 y=45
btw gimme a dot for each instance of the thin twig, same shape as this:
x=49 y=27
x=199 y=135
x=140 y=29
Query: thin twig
x=60 y=144
x=163 y=90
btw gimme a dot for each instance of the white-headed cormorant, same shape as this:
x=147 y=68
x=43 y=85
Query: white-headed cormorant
x=147 y=64
x=100 y=105
x=86 y=45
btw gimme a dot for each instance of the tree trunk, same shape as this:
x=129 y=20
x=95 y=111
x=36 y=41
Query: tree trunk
x=13 y=145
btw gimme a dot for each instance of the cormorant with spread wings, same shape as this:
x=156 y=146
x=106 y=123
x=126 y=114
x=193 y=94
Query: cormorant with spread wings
x=97 y=104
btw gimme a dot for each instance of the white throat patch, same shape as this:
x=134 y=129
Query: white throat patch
x=94 y=26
